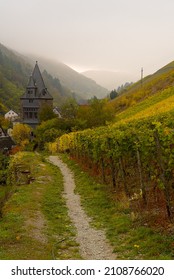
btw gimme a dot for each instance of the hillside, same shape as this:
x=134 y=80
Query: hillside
x=13 y=78
x=14 y=74
x=143 y=94
x=134 y=155
x=155 y=105
x=62 y=81
x=166 y=68
x=78 y=83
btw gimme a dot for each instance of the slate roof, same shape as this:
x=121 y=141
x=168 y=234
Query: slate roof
x=6 y=141
x=31 y=83
x=37 y=77
x=36 y=83
x=35 y=96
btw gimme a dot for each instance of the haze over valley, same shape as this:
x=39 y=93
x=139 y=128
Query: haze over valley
x=110 y=79
x=118 y=37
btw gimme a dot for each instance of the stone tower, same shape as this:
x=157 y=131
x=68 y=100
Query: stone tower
x=35 y=96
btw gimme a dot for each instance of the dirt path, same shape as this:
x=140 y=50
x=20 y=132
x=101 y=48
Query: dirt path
x=93 y=244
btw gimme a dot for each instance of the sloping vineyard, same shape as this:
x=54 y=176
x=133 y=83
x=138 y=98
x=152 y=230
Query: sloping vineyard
x=150 y=86
x=136 y=158
x=159 y=103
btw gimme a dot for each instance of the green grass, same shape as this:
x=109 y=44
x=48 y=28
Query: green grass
x=130 y=239
x=18 y=227
x=3 y=192
x=60 y=230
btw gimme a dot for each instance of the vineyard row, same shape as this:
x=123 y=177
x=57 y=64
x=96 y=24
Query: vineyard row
x=137 y=158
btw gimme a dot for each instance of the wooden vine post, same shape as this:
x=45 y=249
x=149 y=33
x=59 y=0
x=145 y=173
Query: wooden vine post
x=123 y=176
x=163 y=177
x=103 y=170
x=142 y=186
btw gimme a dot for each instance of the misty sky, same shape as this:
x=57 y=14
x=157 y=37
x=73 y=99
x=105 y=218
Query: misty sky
x=119 y=35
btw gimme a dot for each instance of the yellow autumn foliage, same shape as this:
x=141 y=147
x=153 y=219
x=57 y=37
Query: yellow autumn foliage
x=21 y=134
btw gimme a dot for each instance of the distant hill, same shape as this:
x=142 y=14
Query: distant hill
x=14 y=73
x=165 y=69
x=76 y=82
x=61 y=81
x=15 y=70
x=155 y=91
x=109 y=79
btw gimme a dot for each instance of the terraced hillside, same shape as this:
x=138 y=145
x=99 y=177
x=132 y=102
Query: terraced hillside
x=147 y=93
x=159 y=103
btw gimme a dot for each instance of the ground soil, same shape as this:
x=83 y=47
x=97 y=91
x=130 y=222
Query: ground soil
x=92 y=242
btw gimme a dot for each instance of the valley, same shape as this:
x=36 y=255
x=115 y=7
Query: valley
x=115 y=153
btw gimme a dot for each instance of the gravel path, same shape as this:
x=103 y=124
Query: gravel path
x=93 y=243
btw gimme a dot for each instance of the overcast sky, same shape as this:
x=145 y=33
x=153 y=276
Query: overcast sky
x=119 y=35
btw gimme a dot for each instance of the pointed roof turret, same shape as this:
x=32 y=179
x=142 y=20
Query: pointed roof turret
x=35 y=96
x=36 y=82
x=37 y=77
x=31 y=83
x=39 y=83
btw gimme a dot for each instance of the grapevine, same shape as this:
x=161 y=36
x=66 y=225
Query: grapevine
x=136 y=157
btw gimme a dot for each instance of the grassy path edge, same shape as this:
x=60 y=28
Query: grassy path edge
x=35 y=224
x=130 y=239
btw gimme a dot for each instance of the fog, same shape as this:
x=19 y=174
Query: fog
x=114 y=35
